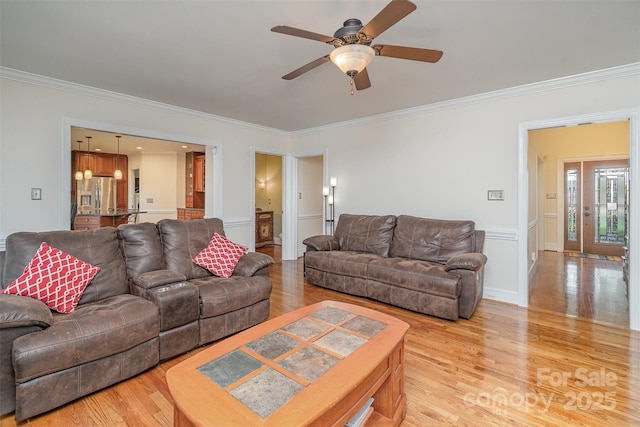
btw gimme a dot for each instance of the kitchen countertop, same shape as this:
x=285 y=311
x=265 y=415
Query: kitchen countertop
x=116 y=213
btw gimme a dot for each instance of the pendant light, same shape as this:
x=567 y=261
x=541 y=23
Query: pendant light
x=79 y=174
x=87 y=172
x=117 y=174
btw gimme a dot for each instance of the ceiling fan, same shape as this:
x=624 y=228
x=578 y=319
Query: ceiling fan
x=352 y=44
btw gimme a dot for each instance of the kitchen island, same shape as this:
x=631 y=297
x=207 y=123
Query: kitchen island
x=95 y=219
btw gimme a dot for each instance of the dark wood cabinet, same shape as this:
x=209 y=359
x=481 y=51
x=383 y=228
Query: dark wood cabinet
x=194 y=180
x=264 y=228
x=187 y=214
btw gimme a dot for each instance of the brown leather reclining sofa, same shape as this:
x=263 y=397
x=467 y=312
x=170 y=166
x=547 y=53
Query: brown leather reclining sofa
x=426 y=265
x=148 y=303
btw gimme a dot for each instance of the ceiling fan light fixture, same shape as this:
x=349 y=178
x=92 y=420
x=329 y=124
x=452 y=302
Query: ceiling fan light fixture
x=352 y=58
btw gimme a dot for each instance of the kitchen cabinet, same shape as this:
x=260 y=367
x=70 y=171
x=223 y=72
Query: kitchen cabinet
x=188 y=214
x=264 y=228
x=194 y=180
x=93 y=221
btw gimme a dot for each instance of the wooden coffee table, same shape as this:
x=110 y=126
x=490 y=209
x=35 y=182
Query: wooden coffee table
x=314 y=366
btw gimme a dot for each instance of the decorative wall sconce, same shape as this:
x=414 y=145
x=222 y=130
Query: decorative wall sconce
x=262 y=185
x=329 y=200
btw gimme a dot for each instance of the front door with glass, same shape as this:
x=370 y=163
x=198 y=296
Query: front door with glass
x=596 y=218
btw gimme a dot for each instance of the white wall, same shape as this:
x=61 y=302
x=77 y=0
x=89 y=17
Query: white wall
x=436 y=161
x=32 y=121
x=158 y=186
x=439 y=161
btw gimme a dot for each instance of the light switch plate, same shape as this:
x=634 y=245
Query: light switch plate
x=495 y=195
x=36 y=194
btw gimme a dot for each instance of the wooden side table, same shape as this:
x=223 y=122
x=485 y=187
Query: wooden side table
x=264 y=228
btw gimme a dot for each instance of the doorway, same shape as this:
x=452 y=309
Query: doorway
x=268 y=200
x=584 y=196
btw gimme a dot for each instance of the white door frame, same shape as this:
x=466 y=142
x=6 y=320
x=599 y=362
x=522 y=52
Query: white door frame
x=633 y=115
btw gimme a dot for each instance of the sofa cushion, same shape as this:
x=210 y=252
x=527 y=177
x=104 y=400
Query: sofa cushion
x=432 y=240
x=141 y=248
x=220 y=296
x=220 y=256
x=365 y=233
x=92 y=332
x=98 y=247
x=183 y=240
x=55 y=278
x=347 y=263
x=421 y=276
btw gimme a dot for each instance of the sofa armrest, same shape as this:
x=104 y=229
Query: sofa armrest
x=251 y=263
x=322 y=243
x=17 y=311
x=153 y=279
x=471 y=261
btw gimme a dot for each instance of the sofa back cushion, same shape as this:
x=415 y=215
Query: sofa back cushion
x=97 y=247
x=434 y=240
x=183 y=240
x=365 y=233
x=141 y=248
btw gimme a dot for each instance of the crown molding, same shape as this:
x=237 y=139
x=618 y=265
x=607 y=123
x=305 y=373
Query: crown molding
x=559 y=83
x=52 y=83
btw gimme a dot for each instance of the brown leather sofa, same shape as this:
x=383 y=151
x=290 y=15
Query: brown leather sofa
x=431 y=266
x=148 y=303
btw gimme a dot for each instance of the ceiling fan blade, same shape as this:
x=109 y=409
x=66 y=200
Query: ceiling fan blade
x=412 y=53
x=362 y=80
x=391 y=14
x=308 y=67
x=284 y=29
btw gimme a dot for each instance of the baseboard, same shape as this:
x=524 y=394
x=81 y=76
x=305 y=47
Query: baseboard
x=501 y=295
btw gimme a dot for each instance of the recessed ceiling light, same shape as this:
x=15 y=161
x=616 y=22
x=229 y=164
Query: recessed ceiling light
x=138 y=148
x=185 y=146
x=98 y=149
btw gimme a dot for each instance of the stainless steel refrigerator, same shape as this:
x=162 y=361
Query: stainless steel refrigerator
x=96 y=195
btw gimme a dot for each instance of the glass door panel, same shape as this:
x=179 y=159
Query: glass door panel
x=572 y=220
x=606 y=206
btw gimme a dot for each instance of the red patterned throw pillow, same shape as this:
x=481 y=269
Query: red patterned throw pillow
x=220 y=256
x=55 y=278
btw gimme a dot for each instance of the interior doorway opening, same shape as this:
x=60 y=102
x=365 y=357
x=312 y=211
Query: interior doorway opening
x=583 y=201
x=268 y=200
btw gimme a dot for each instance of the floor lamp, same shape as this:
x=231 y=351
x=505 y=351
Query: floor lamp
x=329 y=194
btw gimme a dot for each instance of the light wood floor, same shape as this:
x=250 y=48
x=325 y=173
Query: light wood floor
x=581 y=287
x=506 y=366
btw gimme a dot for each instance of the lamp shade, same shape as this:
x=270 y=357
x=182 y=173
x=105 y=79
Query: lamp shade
x=352 y=58
x=117 y=174
x=79 y=176
x=88 y=174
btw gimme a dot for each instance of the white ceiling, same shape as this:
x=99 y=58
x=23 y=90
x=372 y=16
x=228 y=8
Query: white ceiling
x=220 y=57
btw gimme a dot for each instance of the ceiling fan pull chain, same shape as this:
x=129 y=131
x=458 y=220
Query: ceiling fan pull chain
x=351 y=84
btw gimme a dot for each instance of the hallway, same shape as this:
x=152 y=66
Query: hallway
x=580 y=287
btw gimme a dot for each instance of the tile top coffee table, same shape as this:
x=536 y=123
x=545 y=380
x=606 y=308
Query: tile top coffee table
x=317 y=365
